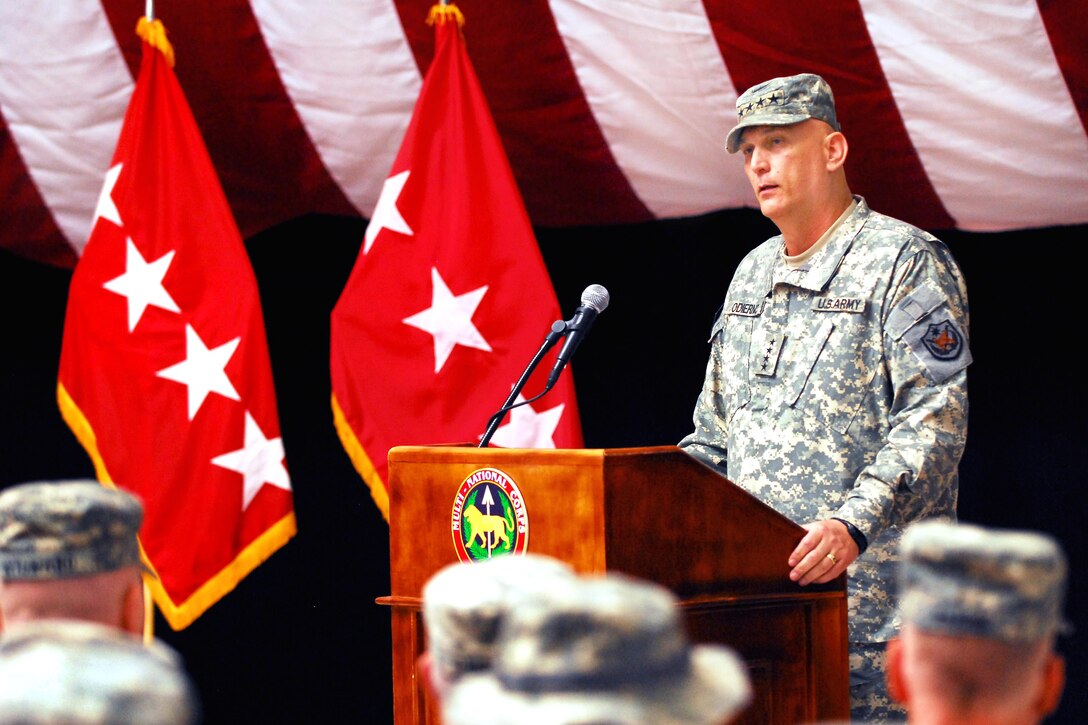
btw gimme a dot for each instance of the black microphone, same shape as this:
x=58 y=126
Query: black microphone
x=594 y=300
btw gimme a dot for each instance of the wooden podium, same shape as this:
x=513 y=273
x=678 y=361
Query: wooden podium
x=655 y=513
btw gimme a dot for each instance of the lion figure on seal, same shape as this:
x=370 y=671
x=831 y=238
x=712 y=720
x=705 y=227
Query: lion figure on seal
x=479 y=525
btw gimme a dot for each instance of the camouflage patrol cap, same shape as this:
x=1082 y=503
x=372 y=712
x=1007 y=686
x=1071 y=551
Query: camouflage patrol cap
x=962 y=579
x=783 y=102
x=81 y=673
x=603 y=649
x=63 y=529
x=464 y=604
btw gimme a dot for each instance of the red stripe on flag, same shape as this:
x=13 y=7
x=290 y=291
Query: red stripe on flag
x=561 y=160
x=1067 y=25
x=832 y=39
x=267 y=164
x=27 y=228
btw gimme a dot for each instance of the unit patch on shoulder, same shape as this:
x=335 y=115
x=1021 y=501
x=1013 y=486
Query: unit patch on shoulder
x=940 y=346
x=489 y=517
x=943 y=340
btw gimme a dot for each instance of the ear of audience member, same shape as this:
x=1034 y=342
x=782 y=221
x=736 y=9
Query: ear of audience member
x=607 y=650
x=68 y=549
x=464 y=605
x=981 y=610
x=82 y=673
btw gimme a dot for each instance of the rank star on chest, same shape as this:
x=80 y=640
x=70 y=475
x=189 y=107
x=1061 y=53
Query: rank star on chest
x=770 y=352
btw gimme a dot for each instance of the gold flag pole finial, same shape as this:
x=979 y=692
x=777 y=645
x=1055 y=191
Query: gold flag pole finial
x=153 y=32
x=444 y=11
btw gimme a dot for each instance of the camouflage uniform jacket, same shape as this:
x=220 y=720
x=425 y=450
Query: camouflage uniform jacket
x=839 y=389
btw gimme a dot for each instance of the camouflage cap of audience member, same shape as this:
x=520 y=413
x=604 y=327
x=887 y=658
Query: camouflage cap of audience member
x=63 y=529
x=961 y=579
x=601 y=650
x=464 y=603
x=80 y=673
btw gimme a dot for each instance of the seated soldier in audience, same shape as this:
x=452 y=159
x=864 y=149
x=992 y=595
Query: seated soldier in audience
x=70 y=672
x=599 y=650
x=68 y=550
x=981 y=609
x=464 y=605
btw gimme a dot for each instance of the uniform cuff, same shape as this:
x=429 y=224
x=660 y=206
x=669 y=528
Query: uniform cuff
x=855 y=534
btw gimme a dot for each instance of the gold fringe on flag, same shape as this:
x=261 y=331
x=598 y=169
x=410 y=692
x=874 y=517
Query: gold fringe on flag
x=149 y=614
x=442 y=12
x=181 y=615
x=80 y=426
x=153 y=32
x=360 y=459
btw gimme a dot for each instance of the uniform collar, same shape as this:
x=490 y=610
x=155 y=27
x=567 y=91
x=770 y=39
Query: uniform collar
x=818 y=271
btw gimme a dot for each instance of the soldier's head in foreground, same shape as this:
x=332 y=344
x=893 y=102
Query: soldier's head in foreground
x=464 y=605
x=600 y=650
x=68 y=672
x=981 y=611
x=68 y=550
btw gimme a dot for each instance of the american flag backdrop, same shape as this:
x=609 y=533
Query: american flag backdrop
x=967 y=114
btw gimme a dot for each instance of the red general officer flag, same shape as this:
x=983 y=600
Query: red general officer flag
x=449 y=299
x=164 y=371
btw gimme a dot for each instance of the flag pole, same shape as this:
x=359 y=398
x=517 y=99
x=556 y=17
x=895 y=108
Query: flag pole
x=149 y=11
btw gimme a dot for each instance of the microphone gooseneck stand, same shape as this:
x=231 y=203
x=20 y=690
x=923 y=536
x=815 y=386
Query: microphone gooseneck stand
x=559 y=328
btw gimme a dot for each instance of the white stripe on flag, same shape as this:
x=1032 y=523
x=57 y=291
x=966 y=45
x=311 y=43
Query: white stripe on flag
x=658 y=87
x=352 y=77
x=987 y=109
x=64 y=87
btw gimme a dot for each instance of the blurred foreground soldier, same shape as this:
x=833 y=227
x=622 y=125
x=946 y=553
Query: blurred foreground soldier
x=79 y=673
x=607 y=650
x=464 y=605
x=68 y=550
x=836 y=389
x=981 y=609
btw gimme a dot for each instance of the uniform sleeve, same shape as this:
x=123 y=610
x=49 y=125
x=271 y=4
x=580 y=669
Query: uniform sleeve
x=926 y=352
x=708 y=440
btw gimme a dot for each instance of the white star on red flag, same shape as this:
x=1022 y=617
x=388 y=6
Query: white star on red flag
x=259 y=460
x=386 y=215
x=449 y=319
x=527 y=428
x=203 y=370
x=141 y=283
x=106 y=208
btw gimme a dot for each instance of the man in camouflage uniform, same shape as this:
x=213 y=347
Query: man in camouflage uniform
x=836 y=390
x=68 y=550
x=981 y=610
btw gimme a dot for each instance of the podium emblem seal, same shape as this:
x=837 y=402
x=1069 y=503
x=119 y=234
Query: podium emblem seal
x=489 y=517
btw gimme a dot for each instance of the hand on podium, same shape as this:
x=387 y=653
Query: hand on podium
x=823 y=554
